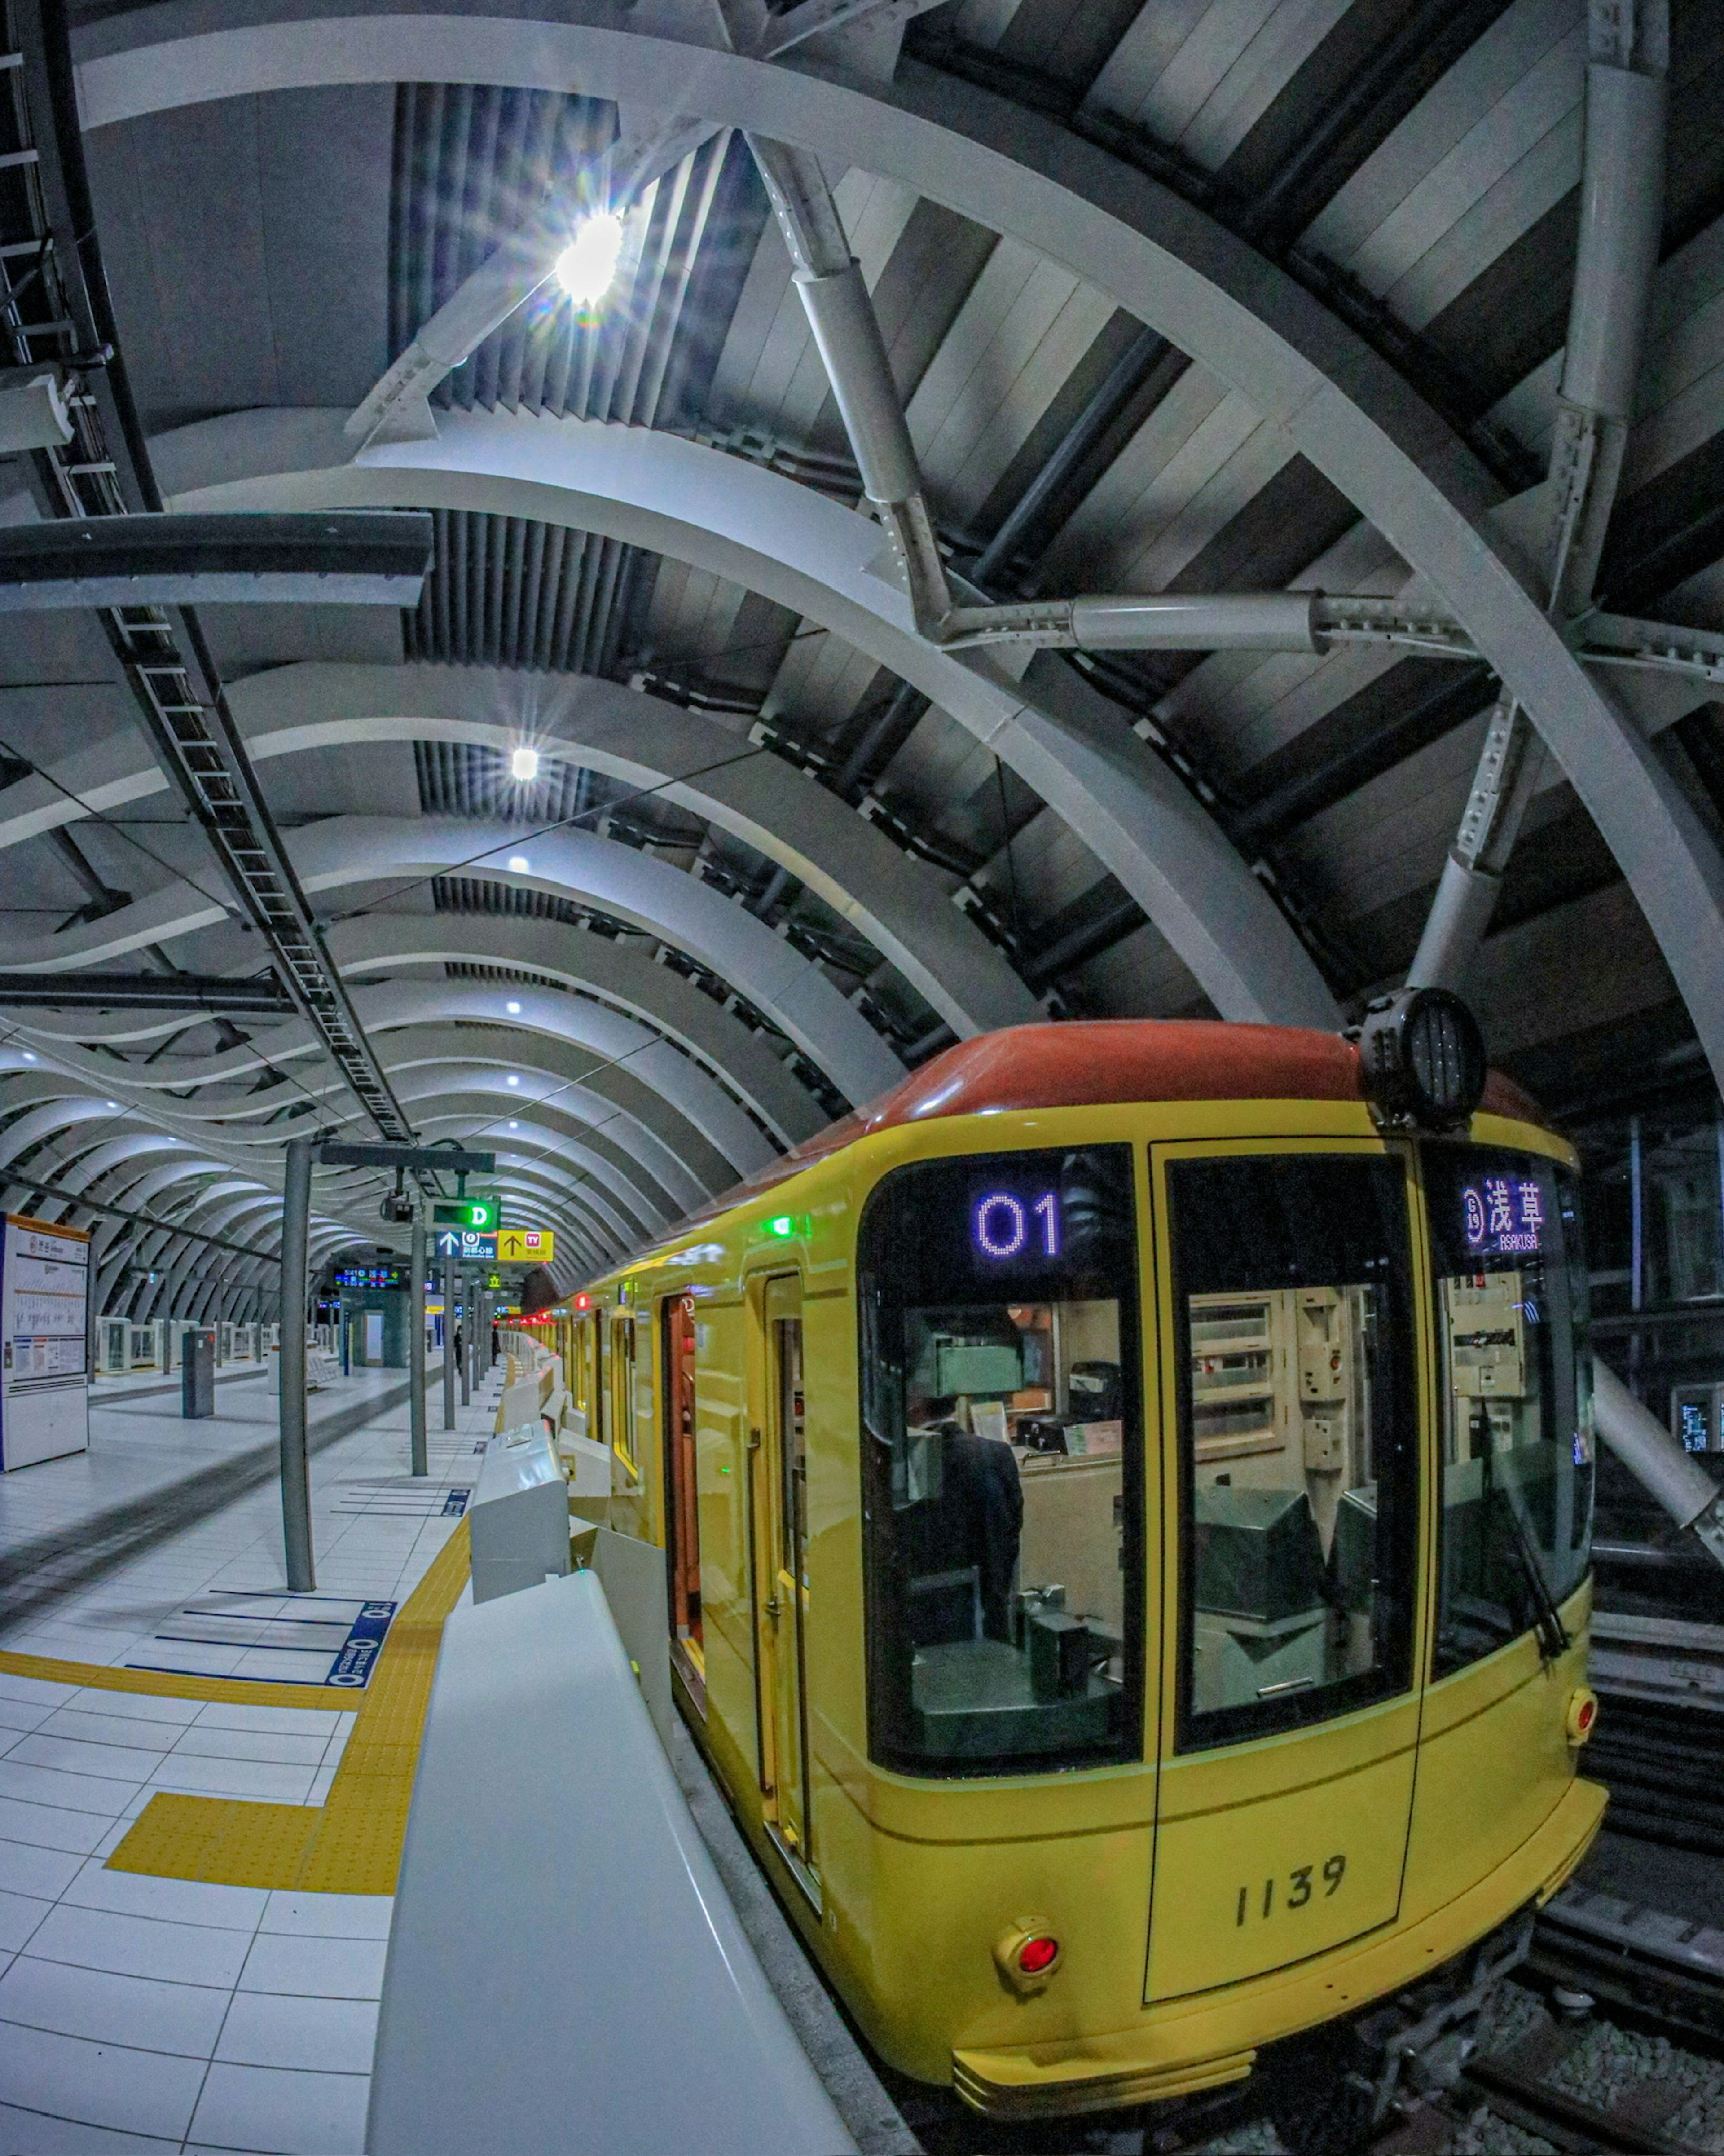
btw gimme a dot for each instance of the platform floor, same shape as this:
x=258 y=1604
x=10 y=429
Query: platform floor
x=100 y=1552
x=142 y=2011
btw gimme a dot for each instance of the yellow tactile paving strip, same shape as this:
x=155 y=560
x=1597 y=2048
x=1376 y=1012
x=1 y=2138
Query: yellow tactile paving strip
x=352 y=1843
x=168 y=1684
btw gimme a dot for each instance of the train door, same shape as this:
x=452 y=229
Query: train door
x=1292 y=1405
x=778 y=1496
x=682 y=1512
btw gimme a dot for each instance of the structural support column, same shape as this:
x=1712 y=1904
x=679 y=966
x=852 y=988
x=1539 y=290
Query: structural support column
x=416 y=1344
x=464 y=1274
x=446 y=1278
x=1621 y=217
x=295 y=1474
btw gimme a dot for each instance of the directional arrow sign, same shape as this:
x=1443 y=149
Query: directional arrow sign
x=464 y=1243
x=525 y=1247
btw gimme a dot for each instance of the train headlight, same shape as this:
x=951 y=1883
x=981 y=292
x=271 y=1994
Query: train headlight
x=1582 y=1713
x=1027 y=1956
x=1421 y=1059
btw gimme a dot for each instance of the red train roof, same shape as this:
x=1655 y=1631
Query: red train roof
x=1096 y=1062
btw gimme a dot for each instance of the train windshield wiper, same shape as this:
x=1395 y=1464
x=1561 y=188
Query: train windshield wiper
x=1553 y=1638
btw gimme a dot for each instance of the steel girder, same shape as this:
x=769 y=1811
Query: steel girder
x=1163 y=260
x=603 y=873
x=772 y=536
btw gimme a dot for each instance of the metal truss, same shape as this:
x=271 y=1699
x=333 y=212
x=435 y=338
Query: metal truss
x=57 y=314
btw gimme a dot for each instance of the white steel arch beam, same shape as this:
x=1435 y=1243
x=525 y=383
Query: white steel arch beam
x=809 y=553
x=561 y=1140
x=617 y=973
x=896 y=902
x=641 y=1057
x=603 y=1123
x=1164 y=261
x=603 y=872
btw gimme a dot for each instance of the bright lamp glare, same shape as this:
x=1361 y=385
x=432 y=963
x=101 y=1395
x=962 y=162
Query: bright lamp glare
x=587 y=265
x=524 y=764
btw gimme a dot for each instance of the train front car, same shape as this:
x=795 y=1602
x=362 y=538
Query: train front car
x=1136 y=1493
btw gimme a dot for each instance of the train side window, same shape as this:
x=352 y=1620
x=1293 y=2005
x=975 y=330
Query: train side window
x=1003 y=1463
x=1298 y=1453
x=1517 y=1425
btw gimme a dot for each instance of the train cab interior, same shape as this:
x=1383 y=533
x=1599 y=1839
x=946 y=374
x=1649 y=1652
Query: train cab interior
x=1009 y=1438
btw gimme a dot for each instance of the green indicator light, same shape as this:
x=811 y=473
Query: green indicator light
x=783 y=1225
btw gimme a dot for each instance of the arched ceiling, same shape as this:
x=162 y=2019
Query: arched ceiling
x=1179 y=298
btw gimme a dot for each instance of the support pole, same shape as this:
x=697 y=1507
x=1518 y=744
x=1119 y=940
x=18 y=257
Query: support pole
x=295 y=1479
x=416 y=1345
x=446 y=1276
x=464 y=1275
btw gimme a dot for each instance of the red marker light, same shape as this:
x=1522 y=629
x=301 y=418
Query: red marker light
x=1037 y=1955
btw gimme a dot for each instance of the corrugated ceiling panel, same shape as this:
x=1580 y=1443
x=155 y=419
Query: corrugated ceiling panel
x=1205 y=90
x=822 y=680
x=1049 y=865
x=1392 y=836
x=1141 y=977
x=1185 y=441
x=1505 y=93
x=1024 y=327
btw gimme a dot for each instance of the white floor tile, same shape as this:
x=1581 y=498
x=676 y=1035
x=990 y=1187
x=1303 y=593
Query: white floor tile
x=275 y=2029
x=140 y=1946
x=112 y=1838
x=34 y=1690
x=288 y=1721
x=264 y=2107
x=72 y=1793
x=285 y=1664
x=138 y=1706
x=148 y=2016
x=103 y=1726
x=22 y=1714
x=33 y=2133
x=329 y=1915
x=149 y=2092
x=112 y=1762
x=168 y=1901
x=20 y=1919
x=27 y=1868
x=314 y=1968
x=322 y=1782
x=46 y=1826
x=286 y=1750
x=263 y=1779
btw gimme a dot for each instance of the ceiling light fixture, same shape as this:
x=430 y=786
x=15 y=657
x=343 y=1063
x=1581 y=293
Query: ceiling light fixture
x=524 y=764
x=511 y=1079
x=518 y=864
x=587 y=266
x=513 y=1009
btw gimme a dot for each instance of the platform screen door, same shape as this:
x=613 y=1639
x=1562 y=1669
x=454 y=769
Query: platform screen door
x=1290 y=1402
x=779 y=1495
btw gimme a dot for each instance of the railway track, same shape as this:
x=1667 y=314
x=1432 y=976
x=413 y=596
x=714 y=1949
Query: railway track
x=1659 y=1742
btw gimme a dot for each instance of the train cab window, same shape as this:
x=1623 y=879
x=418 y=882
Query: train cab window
x=1517 y=1430
x=1003 y=1463
x=1297 y=1441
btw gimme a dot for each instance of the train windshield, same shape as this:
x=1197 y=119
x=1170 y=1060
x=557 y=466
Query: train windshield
x=1516 y=1395
x=1298 y=1455
x=1003 y=1463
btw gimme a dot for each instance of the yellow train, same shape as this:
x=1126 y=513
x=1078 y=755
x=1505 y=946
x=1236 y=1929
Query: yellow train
x=1127 y=1497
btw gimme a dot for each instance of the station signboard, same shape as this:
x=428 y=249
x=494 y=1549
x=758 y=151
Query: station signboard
x=467 y=1245
x=525 y=1247
x=481 y=1212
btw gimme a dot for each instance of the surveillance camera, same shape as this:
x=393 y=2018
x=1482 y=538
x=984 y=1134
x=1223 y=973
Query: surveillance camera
x=396 y=1206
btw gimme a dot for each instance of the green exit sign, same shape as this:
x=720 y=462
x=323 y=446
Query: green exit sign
x=479 y=1213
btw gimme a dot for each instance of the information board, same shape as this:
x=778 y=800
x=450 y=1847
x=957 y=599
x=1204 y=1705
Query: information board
x=525 y=1247
x=45 y=1341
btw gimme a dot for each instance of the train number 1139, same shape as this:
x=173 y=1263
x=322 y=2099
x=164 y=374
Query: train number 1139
x=1300 y=1888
